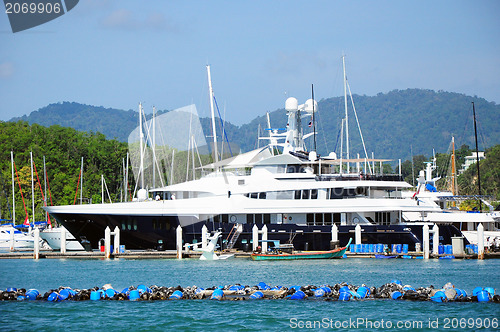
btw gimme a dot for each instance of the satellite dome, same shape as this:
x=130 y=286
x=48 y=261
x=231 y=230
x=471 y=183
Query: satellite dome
x=142 y=195
x=291 y=104
x=309 y=106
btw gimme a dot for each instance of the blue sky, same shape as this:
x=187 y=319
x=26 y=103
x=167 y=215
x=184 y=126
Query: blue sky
x=115 y=53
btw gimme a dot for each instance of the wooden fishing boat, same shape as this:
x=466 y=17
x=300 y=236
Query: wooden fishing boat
x=276 y=255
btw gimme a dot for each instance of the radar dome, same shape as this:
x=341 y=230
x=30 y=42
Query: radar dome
x=309 y=106
x=313 y=156
x=142 y=195
x=291 y=104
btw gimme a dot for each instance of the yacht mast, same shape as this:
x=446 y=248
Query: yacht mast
x=477 y=157
x=346 y=116
x=141 y=137
x=154 y=147
x=214 y=133
x=13 y=188
x=32 y=188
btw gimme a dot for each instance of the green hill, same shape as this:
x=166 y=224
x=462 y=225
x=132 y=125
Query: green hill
x=392 y=123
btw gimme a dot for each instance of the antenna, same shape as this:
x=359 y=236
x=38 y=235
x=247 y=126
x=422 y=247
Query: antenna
x=211 y=93
x=314 y=122
x=477 y=157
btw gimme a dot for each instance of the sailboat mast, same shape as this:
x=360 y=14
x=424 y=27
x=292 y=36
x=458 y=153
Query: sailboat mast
x=313 y=119
x=81 y=185
x=346 y=115
x=154 y=147
x=211 y=93
x=32 y=188
x=13 y=187
x=141 y=137
x=477 y=156
x=453 y=168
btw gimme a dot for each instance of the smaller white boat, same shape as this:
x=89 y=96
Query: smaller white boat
x=21 y=239
x=53 y=238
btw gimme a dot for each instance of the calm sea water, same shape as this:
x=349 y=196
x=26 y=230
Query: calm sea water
x=206 y=315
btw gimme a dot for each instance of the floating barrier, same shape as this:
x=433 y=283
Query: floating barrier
x=394 y=290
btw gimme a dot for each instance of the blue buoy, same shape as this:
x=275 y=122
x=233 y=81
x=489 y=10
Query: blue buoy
x=199 y=290
x=257 y=295
x=142 y=288
x=326 y=289
x=490 y=290
x=95 y=295
x=11 y=289
x=263 y=286
x=344 y=296
x=440 y=296
x=125 y=291
x=396 y=295
x=21 y=298
x=134 y=295
x=53 y=297
x=32 y=294
x=476 y=290
x=363 y=292
x=236 y=288
x=483 y=296
x=409 y=288
x=298 y=295
x=176 y=295
x=405 y=248
x=218 y=294
x=320 y=292
x=297 y=288
x=64 y=294
x=344 y=289
x=110 y=292
x=397 y=282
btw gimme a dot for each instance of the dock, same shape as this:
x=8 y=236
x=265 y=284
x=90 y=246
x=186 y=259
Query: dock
x=172 y=254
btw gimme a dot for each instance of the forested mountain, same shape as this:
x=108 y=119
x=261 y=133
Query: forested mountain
x=392 y=123
x=63 y=149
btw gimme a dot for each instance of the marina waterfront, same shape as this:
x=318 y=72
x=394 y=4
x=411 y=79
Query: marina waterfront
x=263 y=314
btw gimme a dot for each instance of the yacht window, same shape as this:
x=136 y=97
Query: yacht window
x=327 y=219
x=361 y=191
x=336 y=193
x=267 y=218
x=225 y=218
x=318 y=219
x=185 y=194
x=297 y=194
x=262 y=195
x=258 y=218
x=253 y=195
x=314 y=193
x=305 y=194
x=135 y=225
x=249 y=218
x=310 y=219
x=247 y=195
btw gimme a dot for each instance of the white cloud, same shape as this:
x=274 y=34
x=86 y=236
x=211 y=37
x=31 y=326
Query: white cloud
x=123 y=19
